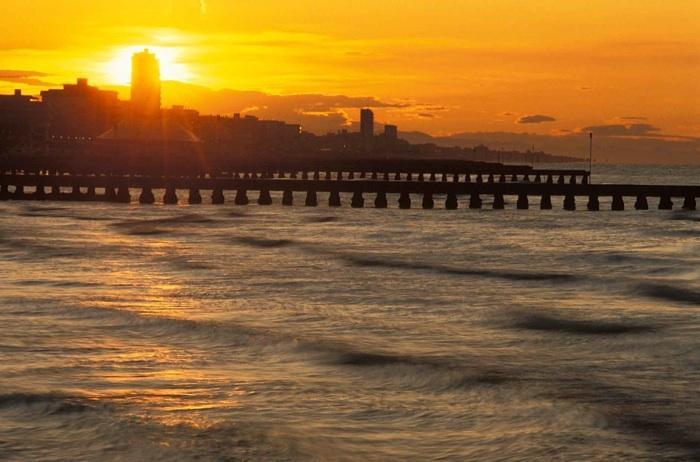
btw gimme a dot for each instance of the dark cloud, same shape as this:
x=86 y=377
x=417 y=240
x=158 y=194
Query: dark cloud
x=633 y=118
x=426 y=115
x=536 y=119
x=24 y=77
x=623 y=130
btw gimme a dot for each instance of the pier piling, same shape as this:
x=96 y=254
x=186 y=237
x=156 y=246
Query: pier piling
x=123 y=195
x=618 y=204
x=451 y=202
x=475 y=201
x=194 y=197
x=39 y=194
x=287 y=198
x=334 y=199
x=428 y=201
x=404 y=201
x=641 y=203
x=546 y=202
x=311 y=198
x=217 y=196
x=570 y=202
x=19 y=192
x=523 y=203
x=241 y=197
x=170 y=196
x=146 y=197
x=593 y=203
x=381 y=201
x=499 y=202
x=665 y=203
x=689 y=203
x=110 y=194
x=264 y=198
x=357 y=201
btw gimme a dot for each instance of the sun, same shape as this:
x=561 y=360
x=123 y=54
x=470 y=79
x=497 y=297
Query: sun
x=118 y=70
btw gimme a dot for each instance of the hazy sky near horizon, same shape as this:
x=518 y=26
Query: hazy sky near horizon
x=442 y=66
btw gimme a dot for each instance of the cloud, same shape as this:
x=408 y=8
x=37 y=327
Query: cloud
x=24 y=77
x=536 y=119
x=633 y=118
x=623 y=130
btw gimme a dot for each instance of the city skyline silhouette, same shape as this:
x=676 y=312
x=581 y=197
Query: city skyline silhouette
x=465 y=77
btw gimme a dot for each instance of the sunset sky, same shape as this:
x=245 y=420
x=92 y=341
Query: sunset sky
x=549 y=67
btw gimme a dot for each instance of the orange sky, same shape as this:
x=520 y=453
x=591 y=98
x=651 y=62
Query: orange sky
x=443 y=66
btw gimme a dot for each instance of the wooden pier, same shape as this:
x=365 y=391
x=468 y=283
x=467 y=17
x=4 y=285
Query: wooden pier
x=530 y=188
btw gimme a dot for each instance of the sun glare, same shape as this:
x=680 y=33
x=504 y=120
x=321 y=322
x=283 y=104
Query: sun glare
x=118 y=70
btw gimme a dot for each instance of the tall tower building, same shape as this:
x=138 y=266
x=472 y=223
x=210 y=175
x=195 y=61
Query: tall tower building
x=367 y=124
x=145 y=84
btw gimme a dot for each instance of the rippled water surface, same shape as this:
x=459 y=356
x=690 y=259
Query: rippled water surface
x=292 y=333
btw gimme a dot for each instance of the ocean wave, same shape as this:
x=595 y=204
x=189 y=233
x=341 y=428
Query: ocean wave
x=175 y=330
x=190 y=218
x=60 y=215
x=35 y=208
x=363 y=261
x=56 y=283
x=616 y=257
x=542 y=322
x=44 y=403
x=670 y=293
x=36 y=426
x=159 y=226
x=322 y=219
x=234 y=214
x=383 y=262
x=145 y=230
x=429 y=374
x=649 y=416
x=684 y=216
x=37 y=250
x=65 y=212
x=264 y=243
x=186 y=264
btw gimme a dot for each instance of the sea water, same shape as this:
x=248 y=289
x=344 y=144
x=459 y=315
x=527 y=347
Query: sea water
x=213 y=333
